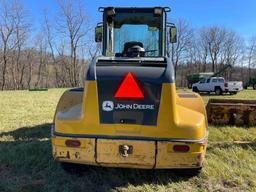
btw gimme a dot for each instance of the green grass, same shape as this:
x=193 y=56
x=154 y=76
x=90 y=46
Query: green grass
x=245 y=94
x=26 y=163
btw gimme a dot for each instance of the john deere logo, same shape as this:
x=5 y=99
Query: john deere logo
x=110 y=106
x=107 y=106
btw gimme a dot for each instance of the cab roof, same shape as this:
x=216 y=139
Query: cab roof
x=103 y=9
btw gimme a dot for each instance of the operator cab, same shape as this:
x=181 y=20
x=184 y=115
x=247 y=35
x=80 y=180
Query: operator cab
x=134 y=32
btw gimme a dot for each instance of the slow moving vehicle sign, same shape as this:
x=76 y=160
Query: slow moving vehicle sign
x=129 y=89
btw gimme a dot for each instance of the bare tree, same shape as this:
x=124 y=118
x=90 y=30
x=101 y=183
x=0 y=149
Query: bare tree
x=251 y=54
x=232 y=50
x=42 y=59
x=215 y=37
x=73 y=25
x=63 y=66
x=184 y=38
x=22 y=28
x=14 y=32
x=29 y=58
x=48 y=29
x=7 y=27
x=196 y=55
x=203 y=47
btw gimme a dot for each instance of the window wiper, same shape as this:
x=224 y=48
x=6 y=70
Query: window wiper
x=154 y=50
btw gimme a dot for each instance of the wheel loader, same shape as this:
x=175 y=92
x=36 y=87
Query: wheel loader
x=128 y=114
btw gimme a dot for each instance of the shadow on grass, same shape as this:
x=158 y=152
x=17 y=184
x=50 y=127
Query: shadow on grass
x=30 y=133
x=26 y=164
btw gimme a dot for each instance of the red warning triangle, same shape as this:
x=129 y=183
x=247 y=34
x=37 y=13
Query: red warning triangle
x=129 y=89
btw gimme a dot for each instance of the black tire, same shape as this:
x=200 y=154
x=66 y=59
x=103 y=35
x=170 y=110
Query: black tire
x=73 y=168
x=254 y=86
x=188 y=172
x=68 y=167
x=194 y=89
x=218 y=91
x=233 y=93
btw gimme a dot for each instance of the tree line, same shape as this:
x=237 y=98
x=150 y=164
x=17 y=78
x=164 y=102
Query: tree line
x=56 y=53
x=209 y=49
x=55 y=56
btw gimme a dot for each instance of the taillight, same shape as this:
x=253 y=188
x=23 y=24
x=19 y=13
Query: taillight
x=181 y=148
x=72 y=143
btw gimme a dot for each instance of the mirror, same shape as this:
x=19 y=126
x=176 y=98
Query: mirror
x=98 y=33
x=173 y=34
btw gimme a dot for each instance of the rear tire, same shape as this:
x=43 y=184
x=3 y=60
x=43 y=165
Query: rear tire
x=73 y=168
x=233 y=93
x=218 y=91
x=194 y=89
x=188 y=172
x=68 y=167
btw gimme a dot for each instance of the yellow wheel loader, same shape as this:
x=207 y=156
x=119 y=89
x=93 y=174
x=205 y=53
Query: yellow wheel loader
x=128 y=114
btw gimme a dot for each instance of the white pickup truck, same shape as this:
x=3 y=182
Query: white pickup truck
x=217 y=85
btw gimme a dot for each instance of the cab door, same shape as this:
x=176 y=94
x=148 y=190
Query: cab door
x=207 y=85
x=201 y=85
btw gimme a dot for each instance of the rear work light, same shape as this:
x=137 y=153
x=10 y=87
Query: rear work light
x=181 y=148
x=72 y=143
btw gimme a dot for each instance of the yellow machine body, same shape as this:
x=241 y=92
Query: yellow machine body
x=128 y=114
x=181 y=121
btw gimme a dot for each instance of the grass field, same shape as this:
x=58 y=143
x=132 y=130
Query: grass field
x=26 y=163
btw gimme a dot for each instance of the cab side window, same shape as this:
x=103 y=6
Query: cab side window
x=202 y=81
x=208 y=81
x=214 y=80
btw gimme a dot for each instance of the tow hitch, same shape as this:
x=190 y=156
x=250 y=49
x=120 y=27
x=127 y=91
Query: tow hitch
x=125 y=150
